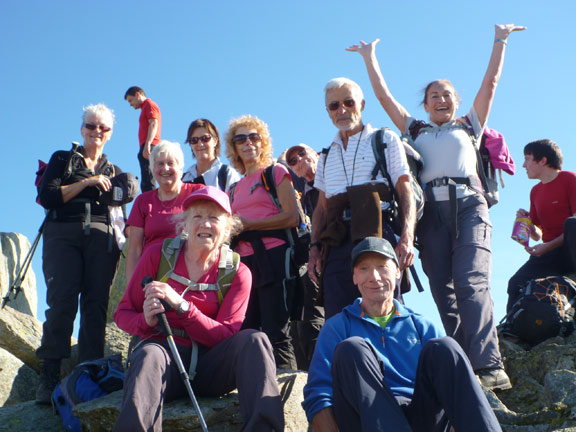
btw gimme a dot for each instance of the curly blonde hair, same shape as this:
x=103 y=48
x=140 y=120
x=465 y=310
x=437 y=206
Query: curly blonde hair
x=250 y=122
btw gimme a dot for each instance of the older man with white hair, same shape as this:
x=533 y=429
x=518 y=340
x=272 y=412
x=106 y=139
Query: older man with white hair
x=352 y=194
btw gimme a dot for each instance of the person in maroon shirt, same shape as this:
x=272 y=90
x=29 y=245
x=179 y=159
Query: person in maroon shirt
x=150 y=125
x=553 y=216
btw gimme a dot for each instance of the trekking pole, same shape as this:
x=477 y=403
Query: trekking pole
x=168 y=333
x=16 y=287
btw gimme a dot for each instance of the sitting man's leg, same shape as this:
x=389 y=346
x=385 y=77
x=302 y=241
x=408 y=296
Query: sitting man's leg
x=445 y=383
x=362 y=400
x=549 y=264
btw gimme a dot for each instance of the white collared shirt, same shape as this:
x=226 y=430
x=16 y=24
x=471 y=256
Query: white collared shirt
x=354 y=165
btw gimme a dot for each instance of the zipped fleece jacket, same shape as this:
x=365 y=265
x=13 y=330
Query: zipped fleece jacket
x=399 y=345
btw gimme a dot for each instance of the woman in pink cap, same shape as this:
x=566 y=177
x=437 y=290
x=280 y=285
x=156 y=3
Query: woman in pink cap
x=205 y=316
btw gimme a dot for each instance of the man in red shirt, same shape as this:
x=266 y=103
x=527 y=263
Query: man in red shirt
x=148 y=132
x=553 y=216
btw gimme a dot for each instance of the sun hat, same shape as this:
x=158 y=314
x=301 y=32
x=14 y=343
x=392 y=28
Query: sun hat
x=209 y=193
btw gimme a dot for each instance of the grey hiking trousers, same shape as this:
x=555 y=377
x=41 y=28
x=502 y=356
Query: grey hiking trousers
x=244 y=361
x=458 y=269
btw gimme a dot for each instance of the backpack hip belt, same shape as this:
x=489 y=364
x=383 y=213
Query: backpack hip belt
x=471 y=181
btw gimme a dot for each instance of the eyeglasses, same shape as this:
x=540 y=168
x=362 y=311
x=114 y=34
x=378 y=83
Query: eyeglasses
x=348 y=103
x=294 y=159
x=241 y=138
x=204 y=138
x=100 y=127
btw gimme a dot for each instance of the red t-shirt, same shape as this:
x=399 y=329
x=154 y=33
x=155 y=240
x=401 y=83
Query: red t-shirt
x=149 y=110
x=207 y=321
x=155 y=216
x=552 y=203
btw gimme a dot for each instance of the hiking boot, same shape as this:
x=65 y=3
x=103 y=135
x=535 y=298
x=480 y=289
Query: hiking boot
x=49 y=377
x=494 y=379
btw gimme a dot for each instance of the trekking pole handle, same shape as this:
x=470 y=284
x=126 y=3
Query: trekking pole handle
x=161 y=316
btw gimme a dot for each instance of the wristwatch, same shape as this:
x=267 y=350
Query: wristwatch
x=184 y=307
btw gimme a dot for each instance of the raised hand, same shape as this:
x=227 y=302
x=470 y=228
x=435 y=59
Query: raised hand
x=364 y=49
x=502 y=31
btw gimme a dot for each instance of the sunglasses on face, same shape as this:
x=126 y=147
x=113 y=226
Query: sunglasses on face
x=294 y=159
x=204 y=138
x=348 y=103
x=101 y=128
x=241 y=138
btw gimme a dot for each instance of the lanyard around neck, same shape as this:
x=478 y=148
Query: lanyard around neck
x=354 y=162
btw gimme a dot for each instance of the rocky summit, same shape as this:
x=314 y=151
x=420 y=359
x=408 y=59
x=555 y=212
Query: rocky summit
x=543 y=397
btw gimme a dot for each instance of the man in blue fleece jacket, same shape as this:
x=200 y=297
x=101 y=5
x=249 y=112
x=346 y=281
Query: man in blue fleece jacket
x=380 y=366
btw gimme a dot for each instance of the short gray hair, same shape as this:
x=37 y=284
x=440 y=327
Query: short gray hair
x=170 y=148
x=99 y=110
x=336 y=83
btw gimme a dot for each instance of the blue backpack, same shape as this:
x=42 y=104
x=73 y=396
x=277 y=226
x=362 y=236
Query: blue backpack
x=89 y=380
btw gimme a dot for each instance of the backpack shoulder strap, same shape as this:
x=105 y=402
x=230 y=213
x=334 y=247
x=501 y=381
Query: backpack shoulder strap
x=270 y=185
x=74 y=155
x=171 y=248
x=231 y=192
x=325 y=152
x=223 y=176
x=379 y=149
x=479 y=165
x=227 y=269
x=416 y=128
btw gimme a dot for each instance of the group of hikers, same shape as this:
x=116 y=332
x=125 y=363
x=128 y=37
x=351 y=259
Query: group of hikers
x=219 y=250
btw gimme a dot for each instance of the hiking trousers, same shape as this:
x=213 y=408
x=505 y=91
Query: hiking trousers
x=242 y=361
x=558 y=262
x=270 y=304
x=446 y=391
x=458 y=264
x=146 y=178
x=78 y=269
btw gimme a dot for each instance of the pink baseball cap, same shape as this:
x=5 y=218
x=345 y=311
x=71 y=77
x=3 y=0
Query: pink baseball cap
x=209 y=193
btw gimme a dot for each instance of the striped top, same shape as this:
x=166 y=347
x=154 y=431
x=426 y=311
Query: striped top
x=354 y=165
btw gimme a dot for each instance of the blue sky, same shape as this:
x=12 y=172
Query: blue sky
x=221 y=59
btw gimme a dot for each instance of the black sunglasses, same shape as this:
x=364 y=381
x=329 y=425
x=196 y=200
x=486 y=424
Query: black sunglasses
x=294 y=159
x=348 y=103
x=204 y=138
x=92 y=127
x=241 y=138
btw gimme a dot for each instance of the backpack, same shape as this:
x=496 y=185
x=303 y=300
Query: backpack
x=67 y=172
x=89 y=380
x=544 y=310
x=227 y=268
x=484 y=163
x=298 y=238
x=415 y=165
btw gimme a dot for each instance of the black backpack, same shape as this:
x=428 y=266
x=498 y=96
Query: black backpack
x=298 y=238
x=74 y=153
x=544 y=310
x=414 y=163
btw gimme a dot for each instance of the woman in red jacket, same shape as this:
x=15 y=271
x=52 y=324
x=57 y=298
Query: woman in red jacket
x=227 y=358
